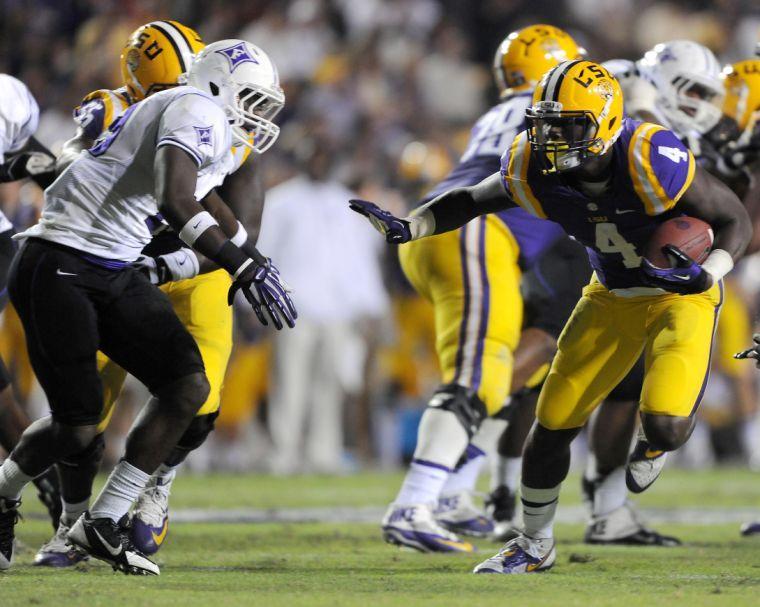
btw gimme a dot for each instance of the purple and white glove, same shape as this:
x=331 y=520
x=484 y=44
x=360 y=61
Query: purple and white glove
x=263 y=287
x=753 y=352
x=687 y=277
x=395 y=230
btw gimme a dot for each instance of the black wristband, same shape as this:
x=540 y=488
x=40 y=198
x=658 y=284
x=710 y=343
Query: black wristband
x=230 y=257
x=250 y=249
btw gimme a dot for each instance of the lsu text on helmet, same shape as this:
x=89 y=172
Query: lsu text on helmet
x=156 y=55
x=527 y=54
x=577 y=113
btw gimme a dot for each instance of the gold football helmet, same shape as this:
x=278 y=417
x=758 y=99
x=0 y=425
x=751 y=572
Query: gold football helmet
x=156 y=55
x=527 y=54
x=577 y=113
x=742 y=100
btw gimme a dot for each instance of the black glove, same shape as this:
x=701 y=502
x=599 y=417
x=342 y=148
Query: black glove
x=264 y=288
x=753 y=352
x=28 y=164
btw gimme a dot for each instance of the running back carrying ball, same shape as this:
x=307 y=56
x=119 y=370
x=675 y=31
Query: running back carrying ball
x=692 y=236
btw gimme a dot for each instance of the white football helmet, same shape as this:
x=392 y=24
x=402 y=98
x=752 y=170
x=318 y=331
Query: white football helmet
x=243 y=81
x=689 y=88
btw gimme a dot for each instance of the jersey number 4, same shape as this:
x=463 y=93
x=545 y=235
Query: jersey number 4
x=609 y=240
x=674 y=154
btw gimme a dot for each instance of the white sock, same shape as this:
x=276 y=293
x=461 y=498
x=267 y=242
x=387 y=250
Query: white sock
x=71 y=512
x=12 y=480
x=465 y=477
x=507 y=471
x=591 y=473
x=164 y=477
x=539 y=506
x=422 y=484
x=441 y=439
x=610 y=493
x=120 y=492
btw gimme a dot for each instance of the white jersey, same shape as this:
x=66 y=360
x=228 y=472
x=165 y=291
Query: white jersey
x=101 y=203
x=19 y=116
x=639 y=92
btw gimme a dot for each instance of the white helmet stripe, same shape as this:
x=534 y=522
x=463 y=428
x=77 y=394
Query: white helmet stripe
x=178 y=40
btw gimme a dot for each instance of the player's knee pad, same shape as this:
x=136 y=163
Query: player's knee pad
x=665 y=432
x=197 y=431
x=91 y=455
x=464 y=403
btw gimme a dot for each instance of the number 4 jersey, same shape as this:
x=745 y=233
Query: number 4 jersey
x=101 y=203
x=651 y=169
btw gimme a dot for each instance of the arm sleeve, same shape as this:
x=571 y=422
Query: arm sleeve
x=661 y=167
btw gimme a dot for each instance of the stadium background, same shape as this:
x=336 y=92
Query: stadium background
x=389 y=90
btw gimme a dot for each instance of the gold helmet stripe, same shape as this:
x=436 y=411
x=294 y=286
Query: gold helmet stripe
x=554 y=85
x=181 y=45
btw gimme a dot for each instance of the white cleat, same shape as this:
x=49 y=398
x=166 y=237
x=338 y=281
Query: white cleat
x=150 y=520
x=459 y=514
x=59 y=552
x=644 y=466
x=622 y=527
x=521 y=555
x=415 y=527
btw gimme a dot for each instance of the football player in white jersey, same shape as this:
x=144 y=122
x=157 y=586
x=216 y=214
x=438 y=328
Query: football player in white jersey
x=76 y=291
x=21 y=156
x=156 y=57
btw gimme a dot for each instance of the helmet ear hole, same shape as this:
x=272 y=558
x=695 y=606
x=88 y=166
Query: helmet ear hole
x=214 y=89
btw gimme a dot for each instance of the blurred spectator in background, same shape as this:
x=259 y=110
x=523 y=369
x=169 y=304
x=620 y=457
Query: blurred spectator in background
x=332 y=264
x=394 y=84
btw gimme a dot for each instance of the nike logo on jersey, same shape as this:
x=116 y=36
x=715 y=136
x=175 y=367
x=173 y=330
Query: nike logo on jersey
x=623 y=211
x=62 y=273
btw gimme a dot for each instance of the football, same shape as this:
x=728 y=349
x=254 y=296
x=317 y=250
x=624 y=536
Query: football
x=693 y=236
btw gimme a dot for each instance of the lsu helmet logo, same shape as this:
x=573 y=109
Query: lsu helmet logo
x=237 y=54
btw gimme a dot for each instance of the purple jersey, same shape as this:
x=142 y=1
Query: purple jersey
x=492 y=132
x=651 y=169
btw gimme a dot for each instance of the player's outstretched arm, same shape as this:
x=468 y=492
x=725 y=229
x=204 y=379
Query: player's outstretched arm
x=34 y=160
x=176 y=176
x=449 y=211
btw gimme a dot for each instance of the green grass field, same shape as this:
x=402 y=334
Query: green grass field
x=276 y=564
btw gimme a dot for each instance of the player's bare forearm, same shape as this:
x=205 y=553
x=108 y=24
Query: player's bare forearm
x=71 y=150
x=455 y=208
x=220 y=211
x=176 y=176
x=711 y=200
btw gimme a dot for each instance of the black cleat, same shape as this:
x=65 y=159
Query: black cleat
x=49 y=492
x=103 y=539
x=8 y=518
x=501 y=505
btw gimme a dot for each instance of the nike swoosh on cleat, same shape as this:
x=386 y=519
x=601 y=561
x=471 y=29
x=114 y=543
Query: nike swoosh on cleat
x=111 y=549
x=61 y=273
x=682 y=276
x=461 y=545
x=159 y=539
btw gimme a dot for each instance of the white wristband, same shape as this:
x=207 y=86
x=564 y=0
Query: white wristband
x=718 y=264
x=182 y=264
x=242 y=267
x=240 y=237
x=198 y=224
x=421 y=223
